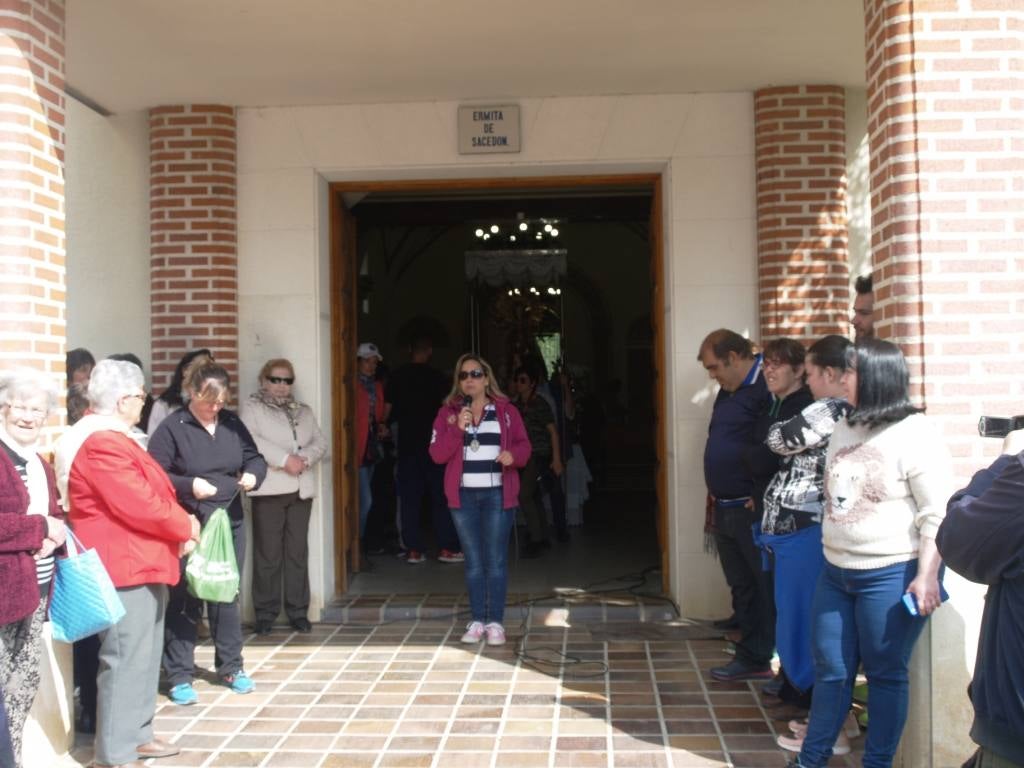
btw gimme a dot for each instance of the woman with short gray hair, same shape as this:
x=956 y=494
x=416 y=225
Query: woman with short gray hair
x=31 y=529
x=122 y=504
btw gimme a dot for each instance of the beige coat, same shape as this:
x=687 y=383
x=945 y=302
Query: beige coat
x=273 y=435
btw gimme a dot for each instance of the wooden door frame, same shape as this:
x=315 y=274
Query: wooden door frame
x=343 y=339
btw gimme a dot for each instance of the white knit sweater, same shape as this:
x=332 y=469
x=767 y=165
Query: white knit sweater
x=885 y=489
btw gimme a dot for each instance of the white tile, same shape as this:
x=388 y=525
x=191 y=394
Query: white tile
x=714 y=187
x=717 y=124
x=281 y=199
x=715 y=252
x=337 y=137
x=645 y=126
x=276 y=262
x=567 y=129
x=268 y=140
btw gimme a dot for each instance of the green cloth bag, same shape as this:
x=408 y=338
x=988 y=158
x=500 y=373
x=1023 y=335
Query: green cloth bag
x=211 y=571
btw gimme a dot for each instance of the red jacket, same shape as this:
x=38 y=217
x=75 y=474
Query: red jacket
x=363 y=416
x=20 y=535
x=446 y=448
x=124 y=506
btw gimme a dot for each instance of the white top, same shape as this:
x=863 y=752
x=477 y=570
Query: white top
x=884 y=490
x=275 y=439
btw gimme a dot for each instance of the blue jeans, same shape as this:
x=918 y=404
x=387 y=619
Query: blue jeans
x=365 y=496
x=858 y=617
x=484 y=529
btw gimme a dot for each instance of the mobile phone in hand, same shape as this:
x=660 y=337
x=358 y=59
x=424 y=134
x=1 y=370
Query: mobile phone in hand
x=910 y=603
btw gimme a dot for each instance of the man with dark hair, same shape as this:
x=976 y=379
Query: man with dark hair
x=413 y=395
x=729 y=359
x=863 y=317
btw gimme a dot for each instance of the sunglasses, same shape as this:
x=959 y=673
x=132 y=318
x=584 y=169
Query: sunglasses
x=476 y=373
x=281 y=379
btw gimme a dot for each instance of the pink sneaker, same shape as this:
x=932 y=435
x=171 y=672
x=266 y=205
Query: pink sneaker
x=495 y=633
x=415 y=556
x=474 y=631
x=451 y=556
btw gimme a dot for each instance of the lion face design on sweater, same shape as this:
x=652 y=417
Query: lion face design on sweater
x=854 y=484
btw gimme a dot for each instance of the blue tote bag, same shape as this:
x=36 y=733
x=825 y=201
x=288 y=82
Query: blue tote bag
x=84 y=600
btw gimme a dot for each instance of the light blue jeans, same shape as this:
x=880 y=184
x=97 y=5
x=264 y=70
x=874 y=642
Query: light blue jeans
x=858 y=616
x=365 y=496
x=484 y=529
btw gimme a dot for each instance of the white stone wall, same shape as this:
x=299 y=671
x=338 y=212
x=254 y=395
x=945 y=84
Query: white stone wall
x=107 y=183
x=703 y=144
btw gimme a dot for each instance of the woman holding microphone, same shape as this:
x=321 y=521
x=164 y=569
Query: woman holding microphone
x=480 y=439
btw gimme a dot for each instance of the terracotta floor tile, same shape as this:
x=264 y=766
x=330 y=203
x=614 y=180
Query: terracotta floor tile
x=641 y=760
x=349 y=760
x=294 y=760
x=510 y=759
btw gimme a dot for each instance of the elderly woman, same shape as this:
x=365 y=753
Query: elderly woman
x=287 y=435
x=211 y=458
x=30 y=529
x=122 y=504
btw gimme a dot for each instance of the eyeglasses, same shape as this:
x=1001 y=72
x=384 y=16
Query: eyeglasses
x=141 y=396
x=476 y=373
x=281 y=379
x=23 y=410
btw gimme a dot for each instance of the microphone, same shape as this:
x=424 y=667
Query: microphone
x=467 y=401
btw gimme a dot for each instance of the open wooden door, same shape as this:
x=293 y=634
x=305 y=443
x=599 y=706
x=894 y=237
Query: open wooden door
x=344 y=300
x=660 y=396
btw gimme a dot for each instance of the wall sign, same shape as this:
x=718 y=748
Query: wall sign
x=487 y=129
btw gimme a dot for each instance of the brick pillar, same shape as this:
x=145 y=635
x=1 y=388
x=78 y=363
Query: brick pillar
x=32 y=246
x=193 y=236
x=946 y=128
x=802 y=240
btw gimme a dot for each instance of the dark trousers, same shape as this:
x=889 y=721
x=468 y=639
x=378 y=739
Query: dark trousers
x=751 y=586
x=86 y=655
x=552 y=485
x=530 y=503
x=183 y=614
x=280 y=548
x=419 y=477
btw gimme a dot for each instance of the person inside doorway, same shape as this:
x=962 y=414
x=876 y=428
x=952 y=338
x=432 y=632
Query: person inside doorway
x=413 y=394
x=371 y=426
x=543 y=434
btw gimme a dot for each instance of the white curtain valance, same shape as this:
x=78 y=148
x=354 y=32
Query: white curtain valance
x=498 y=268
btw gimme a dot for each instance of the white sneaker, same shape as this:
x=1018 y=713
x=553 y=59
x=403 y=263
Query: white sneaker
x=474 y=631
x=495 y=633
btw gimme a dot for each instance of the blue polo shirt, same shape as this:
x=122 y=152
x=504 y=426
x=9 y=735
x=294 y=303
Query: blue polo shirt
x=731 y=433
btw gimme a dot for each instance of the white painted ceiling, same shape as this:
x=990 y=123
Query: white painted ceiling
x=132 y=54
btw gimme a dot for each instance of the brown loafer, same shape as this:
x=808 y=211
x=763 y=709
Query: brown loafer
x=157 y=748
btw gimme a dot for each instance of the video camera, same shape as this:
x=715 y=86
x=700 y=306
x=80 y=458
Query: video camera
x=999 y=426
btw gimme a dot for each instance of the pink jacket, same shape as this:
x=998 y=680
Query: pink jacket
x=446 y=448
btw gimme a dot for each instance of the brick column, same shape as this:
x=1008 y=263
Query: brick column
x=946 y=128
x=193 y=236
x=802 y=241
x=32 y=246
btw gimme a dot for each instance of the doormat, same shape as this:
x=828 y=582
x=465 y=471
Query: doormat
x=618 y=631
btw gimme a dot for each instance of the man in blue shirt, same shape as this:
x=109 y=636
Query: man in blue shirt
x=729 y=359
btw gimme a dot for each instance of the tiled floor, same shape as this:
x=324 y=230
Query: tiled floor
x=408 y=693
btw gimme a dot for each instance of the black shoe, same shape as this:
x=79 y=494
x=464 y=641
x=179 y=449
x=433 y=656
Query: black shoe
x=86 y=722
x=740 y=670
x=731 y=623
x=302 y=625
x=263 y=627
x=773 y=686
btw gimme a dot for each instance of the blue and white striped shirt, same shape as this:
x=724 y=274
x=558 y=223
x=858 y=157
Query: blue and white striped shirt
x=480 y=468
